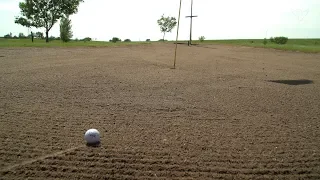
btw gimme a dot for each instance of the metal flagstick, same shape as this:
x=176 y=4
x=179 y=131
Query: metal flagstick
x=175 y=54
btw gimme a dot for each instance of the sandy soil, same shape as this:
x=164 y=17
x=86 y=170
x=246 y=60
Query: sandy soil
x=226 y=112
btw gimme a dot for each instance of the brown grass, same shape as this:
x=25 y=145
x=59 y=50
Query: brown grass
x=226 y=112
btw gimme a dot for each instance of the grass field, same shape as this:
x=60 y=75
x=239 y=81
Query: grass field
x=302 y=45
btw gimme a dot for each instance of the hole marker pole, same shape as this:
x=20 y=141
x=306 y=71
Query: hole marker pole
x=175 y=53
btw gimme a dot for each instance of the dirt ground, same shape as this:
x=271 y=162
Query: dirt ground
x=226 y=112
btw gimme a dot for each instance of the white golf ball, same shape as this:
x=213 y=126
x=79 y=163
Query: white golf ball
x=92 y=136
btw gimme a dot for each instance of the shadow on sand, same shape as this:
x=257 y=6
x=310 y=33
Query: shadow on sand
x=195 y=45
x=207 y=47
x=94 y=145
x=293 y=82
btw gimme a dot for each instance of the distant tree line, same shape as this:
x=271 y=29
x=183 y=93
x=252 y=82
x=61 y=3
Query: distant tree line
x=65 y=35
x=22 y=36
x=276 y=40
x=40 y=35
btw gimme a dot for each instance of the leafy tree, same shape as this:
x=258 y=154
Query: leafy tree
x=201 y=38
x=39 y=35
x=281 y=40
x=265 y=41
x=52 y=38
x=65 y=29
x=45 y=13
x=272 y=39
x=166 y=24
x=115 y=39
x=8 y=35
x=21 y=36
x=127 y=40
x=86 y=39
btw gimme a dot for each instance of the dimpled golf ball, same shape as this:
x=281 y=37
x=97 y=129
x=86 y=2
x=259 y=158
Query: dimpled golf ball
x=92 y=136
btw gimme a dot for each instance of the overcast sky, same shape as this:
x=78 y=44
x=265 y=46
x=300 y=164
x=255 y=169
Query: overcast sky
x=218 y=19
